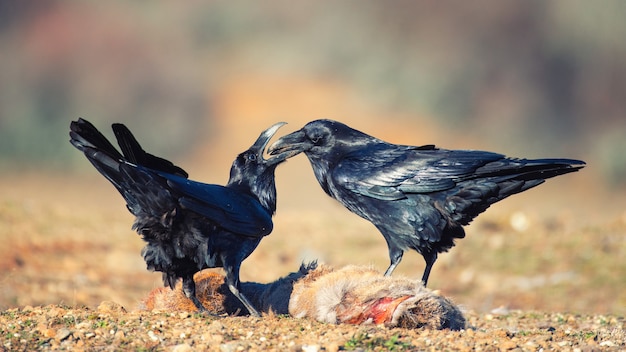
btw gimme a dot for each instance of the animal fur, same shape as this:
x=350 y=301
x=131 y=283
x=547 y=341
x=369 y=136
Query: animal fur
x=350 y=295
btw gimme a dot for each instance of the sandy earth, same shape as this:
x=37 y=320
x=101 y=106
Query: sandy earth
x=110 y=327
x=537 y=271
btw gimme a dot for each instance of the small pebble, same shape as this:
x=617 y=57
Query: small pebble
x=229 y=347
x=500 y=311
x=62 y=334
x=310 y=348
x=183 y=347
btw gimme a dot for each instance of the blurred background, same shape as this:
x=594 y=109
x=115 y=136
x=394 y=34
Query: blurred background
x=196 y=83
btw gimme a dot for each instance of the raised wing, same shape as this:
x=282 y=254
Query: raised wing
x=236 y=212
x=390 y=172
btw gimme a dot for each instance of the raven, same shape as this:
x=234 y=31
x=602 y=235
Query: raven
x=188 y=225
x=419 y=197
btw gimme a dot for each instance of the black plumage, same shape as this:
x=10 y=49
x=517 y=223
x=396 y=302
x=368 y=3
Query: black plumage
x=188 y=225
x=418 y=197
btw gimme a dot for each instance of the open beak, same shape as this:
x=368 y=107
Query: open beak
x=264 y=139
x=293 y=143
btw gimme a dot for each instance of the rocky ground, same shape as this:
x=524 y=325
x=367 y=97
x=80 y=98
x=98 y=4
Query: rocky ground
x=111 y=327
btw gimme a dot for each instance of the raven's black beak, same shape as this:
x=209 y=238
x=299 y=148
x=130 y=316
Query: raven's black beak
x=293 y=143
x=264 y=139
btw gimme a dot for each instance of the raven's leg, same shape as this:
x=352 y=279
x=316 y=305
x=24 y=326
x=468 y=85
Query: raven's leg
x=232 y=280
x=395 y=255
x=430 y=259
x=189 y=289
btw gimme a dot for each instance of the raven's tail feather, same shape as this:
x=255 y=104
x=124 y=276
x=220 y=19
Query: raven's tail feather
x=145 y=193
x=526 y=169
x=519 y=175
x=134 y=153
x=85 y=135
x=98 y=150
x=535 y=172
x=503 y=179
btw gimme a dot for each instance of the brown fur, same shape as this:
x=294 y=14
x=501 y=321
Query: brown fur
x=352 y=295
x=207 y=290
x=358 y=295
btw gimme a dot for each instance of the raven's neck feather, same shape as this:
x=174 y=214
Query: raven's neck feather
x=321 y=169
x=262 y=188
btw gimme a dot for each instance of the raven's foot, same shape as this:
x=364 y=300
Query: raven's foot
x=235 y=291
x=201 y=308
x=189 y=290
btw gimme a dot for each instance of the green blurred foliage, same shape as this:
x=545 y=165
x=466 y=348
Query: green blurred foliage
x=552 y=73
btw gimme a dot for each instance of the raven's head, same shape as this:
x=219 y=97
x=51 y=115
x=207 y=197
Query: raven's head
x=321 y=140
x=252 y=173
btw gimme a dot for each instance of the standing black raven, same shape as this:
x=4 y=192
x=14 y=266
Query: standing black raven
x=418 y=197
x=188 y=225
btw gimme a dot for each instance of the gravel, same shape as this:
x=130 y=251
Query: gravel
x=111 y=327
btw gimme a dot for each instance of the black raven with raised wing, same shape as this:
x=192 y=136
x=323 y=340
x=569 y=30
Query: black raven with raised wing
x=419 y=197
x=188 y=225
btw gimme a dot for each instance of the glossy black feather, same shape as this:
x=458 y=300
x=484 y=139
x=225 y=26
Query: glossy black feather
x=135 y=154
x=419 y=197
x=188 y=225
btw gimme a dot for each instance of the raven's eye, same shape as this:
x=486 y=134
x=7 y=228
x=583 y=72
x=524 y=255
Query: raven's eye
x=252 y=157
x=315 y=138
